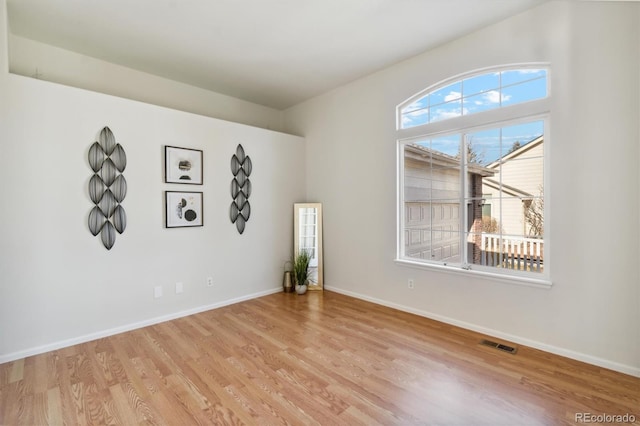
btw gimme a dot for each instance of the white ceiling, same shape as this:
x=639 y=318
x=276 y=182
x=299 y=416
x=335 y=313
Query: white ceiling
x=271 y=52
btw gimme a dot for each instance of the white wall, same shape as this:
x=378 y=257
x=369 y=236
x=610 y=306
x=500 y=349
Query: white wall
x=31 y=58
x=58 y=284
x=592 y=310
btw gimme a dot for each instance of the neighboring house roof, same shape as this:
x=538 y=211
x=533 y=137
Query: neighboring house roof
x=509 y=189
x=518 y=152
x=422 y=153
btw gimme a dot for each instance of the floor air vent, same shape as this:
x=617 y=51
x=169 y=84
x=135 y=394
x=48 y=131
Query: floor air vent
x=499 y=346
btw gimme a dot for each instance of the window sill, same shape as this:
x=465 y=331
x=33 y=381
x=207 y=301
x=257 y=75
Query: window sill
x=506 y=278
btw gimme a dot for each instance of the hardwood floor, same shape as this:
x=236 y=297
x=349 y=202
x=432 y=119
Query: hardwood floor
x=321 y=358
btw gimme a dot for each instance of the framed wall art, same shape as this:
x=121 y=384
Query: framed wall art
x=183 y=209
x=182 y=165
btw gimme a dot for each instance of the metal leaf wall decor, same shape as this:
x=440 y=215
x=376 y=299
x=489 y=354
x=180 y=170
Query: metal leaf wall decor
x=107 y=188
x=240 y=209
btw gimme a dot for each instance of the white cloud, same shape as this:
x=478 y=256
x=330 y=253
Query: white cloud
x=452 y=96
x=414 y=118
x=493 y=97
x=443 y=114
x=420 y=103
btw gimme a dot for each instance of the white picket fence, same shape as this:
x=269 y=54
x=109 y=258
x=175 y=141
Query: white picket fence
x=525 y=254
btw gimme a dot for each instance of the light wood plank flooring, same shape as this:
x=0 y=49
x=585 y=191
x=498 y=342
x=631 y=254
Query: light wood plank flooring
x=321 y=358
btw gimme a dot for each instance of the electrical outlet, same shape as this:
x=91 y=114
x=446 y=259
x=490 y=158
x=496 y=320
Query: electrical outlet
x=410 y=283
x=179 y=288
x=209 y=281
x=157 y=291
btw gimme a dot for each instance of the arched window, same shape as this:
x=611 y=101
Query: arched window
x=472 y=187
x=473 y=94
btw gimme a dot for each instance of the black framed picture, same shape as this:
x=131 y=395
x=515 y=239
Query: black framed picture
x=182 y=165
x=183 y=209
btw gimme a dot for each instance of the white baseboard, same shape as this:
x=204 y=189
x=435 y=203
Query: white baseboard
x=117 y=330
x=622 y=368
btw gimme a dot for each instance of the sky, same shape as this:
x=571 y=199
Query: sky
x=475 y=94
x=489 y=144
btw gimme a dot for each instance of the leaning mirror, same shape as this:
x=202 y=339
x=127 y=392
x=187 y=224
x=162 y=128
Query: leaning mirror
x=307 y=235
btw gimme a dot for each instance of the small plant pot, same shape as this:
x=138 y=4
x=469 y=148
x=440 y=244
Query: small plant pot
x=301 y=289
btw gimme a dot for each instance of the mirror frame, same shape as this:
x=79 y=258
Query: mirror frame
x=297 y=207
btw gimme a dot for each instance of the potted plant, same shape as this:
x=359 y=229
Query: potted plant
x=301 y=270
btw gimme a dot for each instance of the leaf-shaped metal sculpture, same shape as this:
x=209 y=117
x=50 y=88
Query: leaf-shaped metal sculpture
x=108 y=172
x=96 y=157
x=119 y=188
x=247 y=166
x=240 y=153
x=240 y=209
x=108 y=235
x=245 y=212
x=235 y=188
x=241 y=200
x=96 y=221
x=107 y=188
x=233 y=212
x=119 y=158
x=107 y=140
x=96 y=188
x=119 y=219
x=107 y=204
x=241 y=178
x=246 y=189
x=235 y=165
x=240 y=222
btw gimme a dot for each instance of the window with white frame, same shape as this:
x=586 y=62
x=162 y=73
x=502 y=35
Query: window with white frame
x=471 y=172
